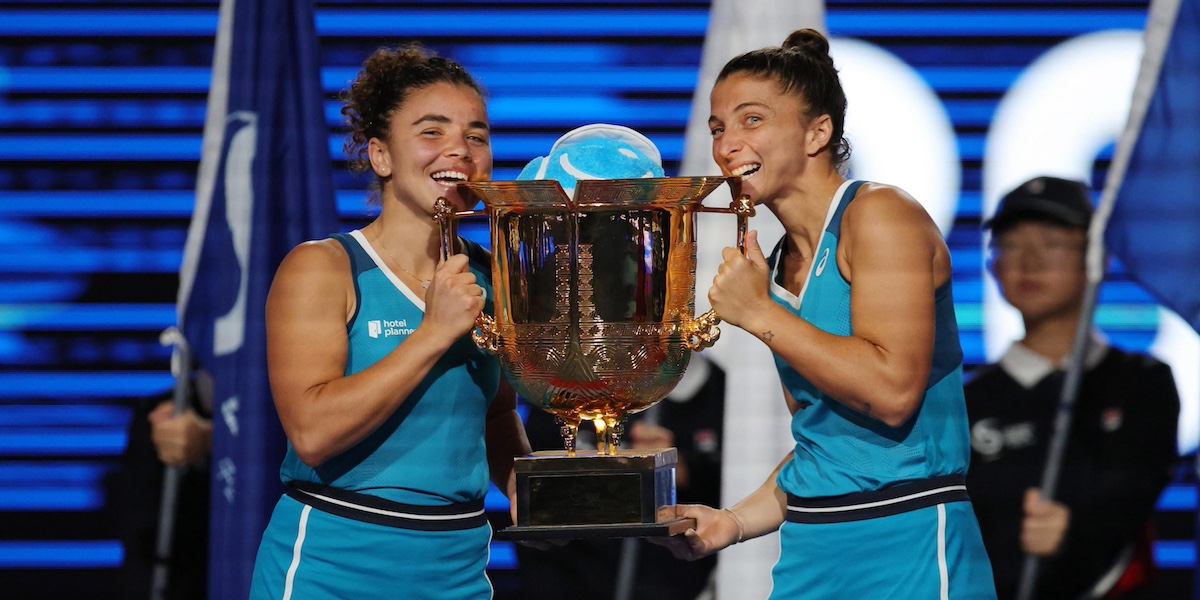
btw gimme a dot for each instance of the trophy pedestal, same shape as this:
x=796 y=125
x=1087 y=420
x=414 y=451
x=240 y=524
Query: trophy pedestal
x=592 y=495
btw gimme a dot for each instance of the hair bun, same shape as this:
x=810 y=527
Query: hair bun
x=808 y=41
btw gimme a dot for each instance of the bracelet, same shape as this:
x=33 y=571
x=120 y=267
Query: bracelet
x=740 y=524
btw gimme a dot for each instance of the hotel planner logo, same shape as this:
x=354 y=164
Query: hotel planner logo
x=388 y=328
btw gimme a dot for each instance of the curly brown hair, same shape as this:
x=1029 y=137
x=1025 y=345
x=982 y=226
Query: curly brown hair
x=386 y=80
x=802 y=66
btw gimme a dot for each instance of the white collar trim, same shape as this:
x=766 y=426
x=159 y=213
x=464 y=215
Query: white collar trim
x=1028 y=367
x=357 y=234
x=781 y=291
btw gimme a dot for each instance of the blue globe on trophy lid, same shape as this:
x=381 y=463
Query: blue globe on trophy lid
x=596 y=151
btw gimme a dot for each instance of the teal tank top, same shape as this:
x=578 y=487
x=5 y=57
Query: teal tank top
x=838 y=450
x=431 y=450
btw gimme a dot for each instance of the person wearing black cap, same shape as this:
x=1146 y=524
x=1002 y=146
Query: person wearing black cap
x=1094 y=537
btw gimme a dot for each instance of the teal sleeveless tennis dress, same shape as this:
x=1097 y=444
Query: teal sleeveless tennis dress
x=875 y=511
x=399 y=515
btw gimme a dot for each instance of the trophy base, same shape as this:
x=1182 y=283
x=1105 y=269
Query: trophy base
x=593 y=495
x=579 y=532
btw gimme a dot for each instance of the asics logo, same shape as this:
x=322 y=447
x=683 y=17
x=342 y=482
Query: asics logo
x=821 y=264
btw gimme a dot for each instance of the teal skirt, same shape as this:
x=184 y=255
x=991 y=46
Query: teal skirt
x=307 y=554
x=933 y=553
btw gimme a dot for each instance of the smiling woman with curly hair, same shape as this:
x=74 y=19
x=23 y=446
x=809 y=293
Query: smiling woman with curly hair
x=393 y=416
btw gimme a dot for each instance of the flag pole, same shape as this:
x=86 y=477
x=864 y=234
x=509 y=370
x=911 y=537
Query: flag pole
x=1066 y=403
x=181 y=365
x=1161 y=19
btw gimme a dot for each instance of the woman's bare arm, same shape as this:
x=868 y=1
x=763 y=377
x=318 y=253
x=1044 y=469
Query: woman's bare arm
x=323 y=411
x=895 y=258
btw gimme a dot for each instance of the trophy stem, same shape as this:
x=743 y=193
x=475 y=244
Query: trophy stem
x=616 y=428
x=569 y=431
x=603 y=442
x=609 y=429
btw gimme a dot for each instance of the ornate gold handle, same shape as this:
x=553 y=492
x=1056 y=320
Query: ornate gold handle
x=447 y=219
x=744 y=209
x=484 y=335
x=702 y=332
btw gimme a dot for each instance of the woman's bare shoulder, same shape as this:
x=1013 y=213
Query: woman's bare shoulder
x=879 y=204
x=321 y=266
x=889 y=218
x=316 y=255
x=882 y=196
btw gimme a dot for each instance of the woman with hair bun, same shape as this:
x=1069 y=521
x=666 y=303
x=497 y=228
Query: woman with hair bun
x=392 y=415
x=855 y=303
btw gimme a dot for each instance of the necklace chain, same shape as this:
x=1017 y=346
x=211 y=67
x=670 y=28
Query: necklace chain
x=424 y=282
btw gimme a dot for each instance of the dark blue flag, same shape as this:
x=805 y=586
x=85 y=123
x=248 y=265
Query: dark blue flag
x=264 y=187
x=1155 y=224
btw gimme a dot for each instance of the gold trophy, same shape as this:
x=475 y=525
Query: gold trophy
x=594 y=319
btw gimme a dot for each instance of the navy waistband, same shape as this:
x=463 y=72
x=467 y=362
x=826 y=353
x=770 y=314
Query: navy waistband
x=882 y=503
x=376 y=510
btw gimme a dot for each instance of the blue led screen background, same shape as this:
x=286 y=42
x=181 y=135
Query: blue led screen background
x=101 y=110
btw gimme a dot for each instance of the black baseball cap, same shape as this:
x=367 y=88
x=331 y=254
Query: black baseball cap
x=1053 y=199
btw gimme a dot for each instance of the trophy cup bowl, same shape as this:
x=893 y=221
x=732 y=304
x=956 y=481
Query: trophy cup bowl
x=594 y=321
